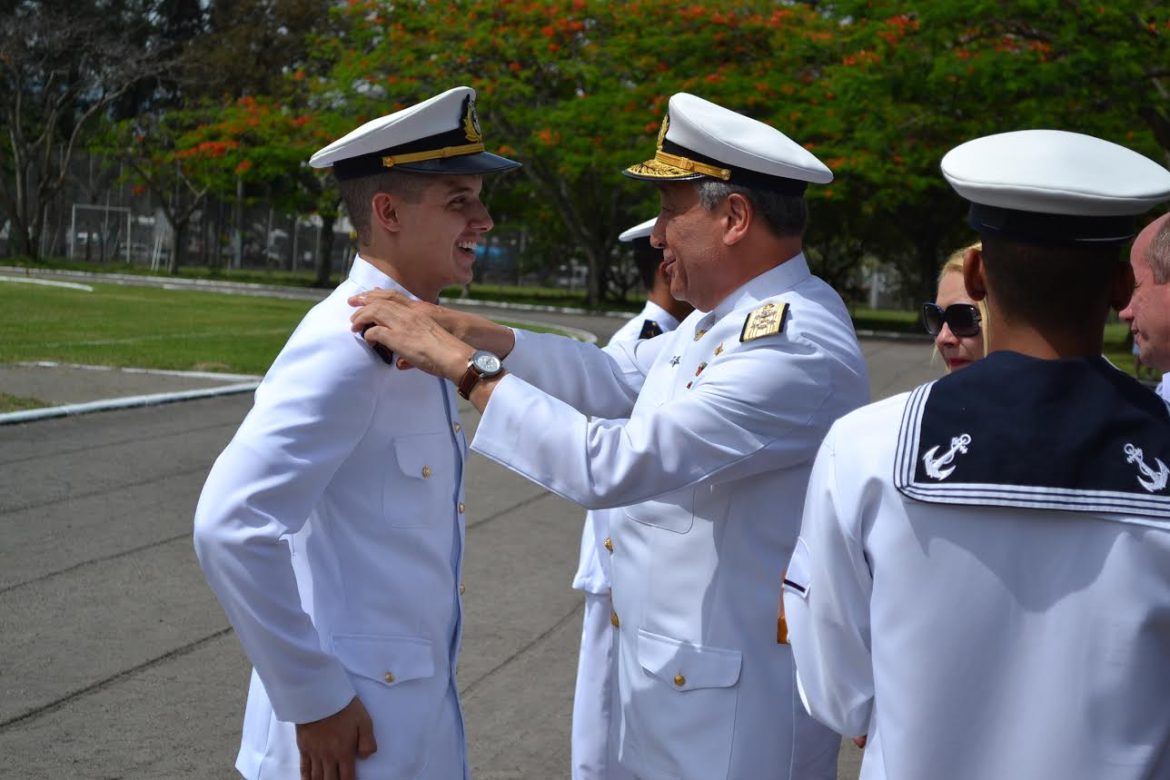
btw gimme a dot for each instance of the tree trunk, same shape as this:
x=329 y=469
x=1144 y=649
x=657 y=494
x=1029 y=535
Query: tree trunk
x=593 y=290
x=178 y=228
x=926 y=253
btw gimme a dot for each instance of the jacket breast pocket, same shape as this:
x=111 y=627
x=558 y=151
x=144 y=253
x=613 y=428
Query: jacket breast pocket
x=676 y=516
x=421 y=486
x=681 y=708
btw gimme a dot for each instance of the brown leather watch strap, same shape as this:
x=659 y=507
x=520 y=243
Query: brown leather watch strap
x=469 y=380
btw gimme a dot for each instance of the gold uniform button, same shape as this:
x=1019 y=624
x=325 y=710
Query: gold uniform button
x=613 y=619
x=462 y=589
x=426 y=472
x=462 y=507
x=608 y=543
x=456 y=427
x=388 y=677
x=679 y=680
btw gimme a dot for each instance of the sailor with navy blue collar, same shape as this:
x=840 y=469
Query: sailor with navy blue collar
x=982 y=579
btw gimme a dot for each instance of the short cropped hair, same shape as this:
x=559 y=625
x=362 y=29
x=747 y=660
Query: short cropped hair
x=1048 y=286
x=786 y=215
x=1158 y=254
x=357 y=194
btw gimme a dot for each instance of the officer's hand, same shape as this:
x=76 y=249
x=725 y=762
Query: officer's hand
x=413 y=336
x=328 y=746
x=860 y=741
x=472 y=329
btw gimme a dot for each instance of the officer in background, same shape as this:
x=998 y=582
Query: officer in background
x=331 y=528
x=704 y=435
x=593 y=700
x=982 y=580
x=1148 y=312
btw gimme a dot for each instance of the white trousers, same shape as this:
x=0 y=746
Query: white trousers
x=594 y=752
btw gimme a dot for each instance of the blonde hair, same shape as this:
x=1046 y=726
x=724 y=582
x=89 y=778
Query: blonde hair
x=954 y=264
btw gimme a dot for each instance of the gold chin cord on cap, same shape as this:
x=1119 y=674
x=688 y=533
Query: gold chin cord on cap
x=690 y=165
x=389 y=161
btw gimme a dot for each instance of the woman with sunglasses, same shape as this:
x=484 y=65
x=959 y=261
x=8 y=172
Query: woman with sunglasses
x=956 y=322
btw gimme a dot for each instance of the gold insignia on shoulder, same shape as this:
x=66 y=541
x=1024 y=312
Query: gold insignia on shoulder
x=471 y=122
x=767 y=320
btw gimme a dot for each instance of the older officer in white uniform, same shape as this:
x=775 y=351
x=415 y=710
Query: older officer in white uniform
x=331 y=528
x=1148 y=312
x=592 y=756
x=724 y=417
x=982 y=582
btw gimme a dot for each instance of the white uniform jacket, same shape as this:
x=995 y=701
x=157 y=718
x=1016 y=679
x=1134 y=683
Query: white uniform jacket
x=975 y=640
x=593 y=569
x=331 y=531
x=711 y=467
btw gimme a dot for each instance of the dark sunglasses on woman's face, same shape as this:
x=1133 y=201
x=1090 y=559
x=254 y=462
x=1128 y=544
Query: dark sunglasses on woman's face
x=962 y=318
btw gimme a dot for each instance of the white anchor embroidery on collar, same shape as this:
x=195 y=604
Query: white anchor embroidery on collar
x=674 y=360
x=1157 y=479
x=934 y=466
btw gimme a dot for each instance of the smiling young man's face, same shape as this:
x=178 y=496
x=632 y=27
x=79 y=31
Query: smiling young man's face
x=439 y=232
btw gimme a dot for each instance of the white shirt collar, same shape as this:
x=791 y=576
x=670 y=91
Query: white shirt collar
x=366 y=276
x=653 y=311
x=769 y=284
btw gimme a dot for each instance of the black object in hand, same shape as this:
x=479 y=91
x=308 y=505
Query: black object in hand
x=383 y=351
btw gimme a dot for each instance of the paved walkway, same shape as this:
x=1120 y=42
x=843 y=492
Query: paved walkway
x=115 y=660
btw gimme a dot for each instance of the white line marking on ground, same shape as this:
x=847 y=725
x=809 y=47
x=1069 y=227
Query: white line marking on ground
x=128 y=402
x=47 y=283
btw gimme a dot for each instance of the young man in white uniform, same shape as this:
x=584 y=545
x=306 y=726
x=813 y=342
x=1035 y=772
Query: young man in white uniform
x=982 y=581
x=704 y=435
x=1148 y=312
x=592 y=756
x=332 y=526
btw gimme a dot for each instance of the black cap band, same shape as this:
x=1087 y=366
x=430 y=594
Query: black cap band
x=1031 y=227
x=370 y=164
x=741 y=176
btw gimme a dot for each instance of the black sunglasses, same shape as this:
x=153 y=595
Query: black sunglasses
x=962 y=318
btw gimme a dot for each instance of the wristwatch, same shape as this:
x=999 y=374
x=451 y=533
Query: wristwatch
x=482 y=365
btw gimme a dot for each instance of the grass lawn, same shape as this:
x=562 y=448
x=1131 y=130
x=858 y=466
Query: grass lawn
x=148 y=327
x=144 y=327
x=16 y=403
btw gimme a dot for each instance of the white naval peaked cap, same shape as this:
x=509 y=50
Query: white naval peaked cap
x=440 y=135
x=1055 y=187
x=700 y=138
x=641 y=230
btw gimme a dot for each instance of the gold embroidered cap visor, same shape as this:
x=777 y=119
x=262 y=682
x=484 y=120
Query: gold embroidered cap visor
x=672 y=162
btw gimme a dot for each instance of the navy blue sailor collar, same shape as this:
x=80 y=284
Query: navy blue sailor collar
x=1015 y=431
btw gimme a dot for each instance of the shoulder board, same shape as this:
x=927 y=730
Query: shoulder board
x=767 y=320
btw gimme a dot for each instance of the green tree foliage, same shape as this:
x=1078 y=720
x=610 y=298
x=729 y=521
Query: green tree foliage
x=577 y=90
x=914 y=80
x=61 y=66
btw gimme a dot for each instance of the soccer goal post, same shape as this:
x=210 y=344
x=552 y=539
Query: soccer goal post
x=102 y=221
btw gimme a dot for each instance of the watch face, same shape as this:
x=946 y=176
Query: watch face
x=486 y=363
